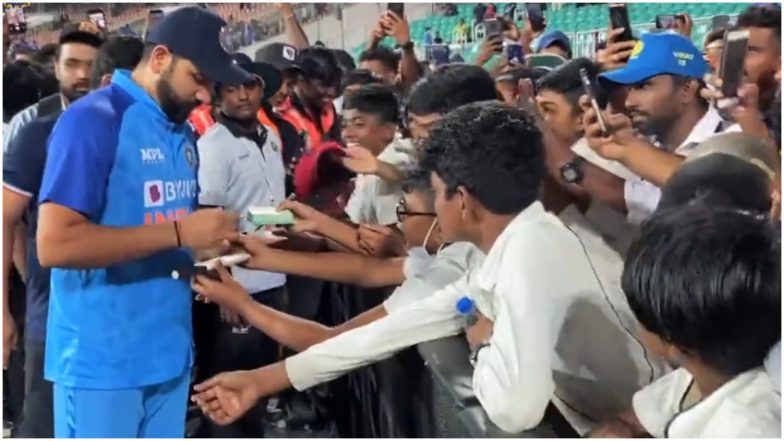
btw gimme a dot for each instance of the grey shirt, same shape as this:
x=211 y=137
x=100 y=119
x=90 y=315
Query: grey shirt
x=236 y=174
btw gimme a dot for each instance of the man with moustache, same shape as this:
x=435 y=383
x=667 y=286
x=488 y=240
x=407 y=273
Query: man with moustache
x=242 y=167
x=117 y=224
x=23 y=168
x=76 y=52
x=663 y=78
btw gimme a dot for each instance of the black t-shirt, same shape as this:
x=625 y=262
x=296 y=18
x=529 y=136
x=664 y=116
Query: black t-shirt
x=23 y=169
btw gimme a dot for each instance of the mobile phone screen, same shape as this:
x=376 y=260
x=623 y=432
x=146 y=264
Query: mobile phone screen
x=535 y=16
x=665 y=21
x=733 y=57
x=589 y=90
x=493 y=27
x=17 y=23
x=514 y=52
x=97 y=17
x=397 y=8
x=619 y=18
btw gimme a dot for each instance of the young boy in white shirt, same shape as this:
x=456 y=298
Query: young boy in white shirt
x=487 y=164
x=705 y=283
x=431 y=265
x=370 y=120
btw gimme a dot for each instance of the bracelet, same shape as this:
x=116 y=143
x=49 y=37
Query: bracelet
x=177 y=232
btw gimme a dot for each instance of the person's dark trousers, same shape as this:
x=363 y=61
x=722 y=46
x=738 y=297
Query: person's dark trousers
x=37 y=412
x=14 y=376
x=227 y=351
x=13 y=379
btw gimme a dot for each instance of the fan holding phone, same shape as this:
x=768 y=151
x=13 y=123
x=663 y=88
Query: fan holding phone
x=739 y=100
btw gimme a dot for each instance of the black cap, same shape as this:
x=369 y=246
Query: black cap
x=240 y=58
x=193 y=33
x=84 y=32
x=720 y=179
x=271 y=77
x=282 y=56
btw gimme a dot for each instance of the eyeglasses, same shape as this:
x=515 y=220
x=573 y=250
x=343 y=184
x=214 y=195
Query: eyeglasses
x=403 y=213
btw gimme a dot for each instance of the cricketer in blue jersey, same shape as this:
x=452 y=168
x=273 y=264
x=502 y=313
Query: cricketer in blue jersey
x=117 y=219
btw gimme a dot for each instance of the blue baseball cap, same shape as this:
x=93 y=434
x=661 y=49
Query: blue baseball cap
x=552 y=38
x=659 y=54
x=193 y=33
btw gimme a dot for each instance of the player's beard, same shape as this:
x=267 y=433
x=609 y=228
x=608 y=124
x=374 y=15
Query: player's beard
x=176 y=109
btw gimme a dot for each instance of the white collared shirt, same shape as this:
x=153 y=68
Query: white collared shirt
x=374 y=200
x=747 y=406
x=641 y=196
x=409 y=322
x=549 y=311
x=234 y=174
x=449 y=265
x=612 y=224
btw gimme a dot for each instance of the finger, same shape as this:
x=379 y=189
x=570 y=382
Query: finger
x=381 y=229
x=711 y=95
x=223 y=273
x=585 y=103
x=621 y=56
x=202 y=283
x=290 y=205
x=205 y=385
x=617 y=121
x=613 y=34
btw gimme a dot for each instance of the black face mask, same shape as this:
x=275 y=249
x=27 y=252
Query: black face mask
x=175 y=108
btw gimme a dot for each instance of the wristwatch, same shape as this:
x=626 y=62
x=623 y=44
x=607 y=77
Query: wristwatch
x=407 y=46
x=572 y=171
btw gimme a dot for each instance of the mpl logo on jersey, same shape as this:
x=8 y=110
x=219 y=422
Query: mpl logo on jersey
x=152 y=156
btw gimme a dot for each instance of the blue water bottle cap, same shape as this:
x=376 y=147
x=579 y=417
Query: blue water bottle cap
x=465 y=306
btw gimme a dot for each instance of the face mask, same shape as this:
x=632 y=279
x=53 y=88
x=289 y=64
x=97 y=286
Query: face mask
x=419 y=260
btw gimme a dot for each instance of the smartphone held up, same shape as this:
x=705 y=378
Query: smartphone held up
x=590 y=91
x=733 y=57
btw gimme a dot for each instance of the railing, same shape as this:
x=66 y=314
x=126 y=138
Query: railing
x=584 y=42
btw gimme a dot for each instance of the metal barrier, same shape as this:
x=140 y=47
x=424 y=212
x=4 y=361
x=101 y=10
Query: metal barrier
x=421 y=392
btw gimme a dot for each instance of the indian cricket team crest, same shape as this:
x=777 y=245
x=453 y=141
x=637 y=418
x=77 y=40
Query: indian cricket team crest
x=190 y=156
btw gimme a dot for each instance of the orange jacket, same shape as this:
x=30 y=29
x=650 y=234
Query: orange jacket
x=304 y=122
x=201 y=119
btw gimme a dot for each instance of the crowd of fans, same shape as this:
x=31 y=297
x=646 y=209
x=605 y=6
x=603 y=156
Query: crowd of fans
x=609 y=250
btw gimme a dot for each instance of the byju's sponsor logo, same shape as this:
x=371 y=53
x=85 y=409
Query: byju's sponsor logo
x=153 y=194
x=158 y=193
x=152 y=156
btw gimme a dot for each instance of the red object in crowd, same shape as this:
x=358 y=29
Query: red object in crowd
x=490 y=12
x=201 y=119
x=321 y=180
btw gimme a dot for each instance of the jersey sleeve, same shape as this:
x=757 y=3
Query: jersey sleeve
x=80 y=156
x=23 y=162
